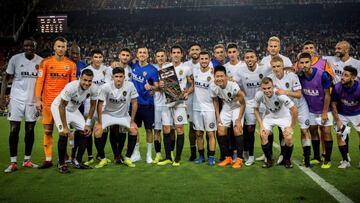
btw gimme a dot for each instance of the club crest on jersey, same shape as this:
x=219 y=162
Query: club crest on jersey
x=37 y=67
x=66 y=67
x=287 y=85
x=229 y=94
x=129 y=74
x=208 y=78
x=124 y=93
x=276 y=103
x=180 y=118
x=261 y=76
x=144 y=74
x=181 y=72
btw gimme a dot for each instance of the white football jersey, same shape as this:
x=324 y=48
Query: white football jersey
x=250 y=81
x=25 y=74
x=338 y=65
x=228 y=94
x=290 y=82
x=75 y=95
x=277 y=105
x=232 y=71
x=117 y=101
x=159 y=96
x=203 y=96
x=265 y=63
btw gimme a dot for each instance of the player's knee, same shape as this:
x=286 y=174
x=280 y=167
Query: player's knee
x=250 y=128
x=221 y=131
x=180 y=129
x=133 y=131
x=166 y=129
x=14 y=129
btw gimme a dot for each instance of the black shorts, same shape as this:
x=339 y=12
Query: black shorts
x=146 y=114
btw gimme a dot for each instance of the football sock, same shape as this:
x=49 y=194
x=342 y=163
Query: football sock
x=179 y=147
x=328 y=150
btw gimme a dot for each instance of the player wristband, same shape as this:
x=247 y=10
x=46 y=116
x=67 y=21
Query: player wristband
x=88 y=122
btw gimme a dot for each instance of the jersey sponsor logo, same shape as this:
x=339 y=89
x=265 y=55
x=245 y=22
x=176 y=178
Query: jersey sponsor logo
x=99 y=82
x=338 y=72
x=76 y=102
x=117 y=101
x=253 y=84
x=202 y=85
x=26 y=74
x=58 y=75
x=138 y=78
x=349 y=103
x=124 y=93
x=311 y=92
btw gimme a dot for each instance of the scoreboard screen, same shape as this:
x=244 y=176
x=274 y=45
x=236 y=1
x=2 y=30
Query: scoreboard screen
x=52 y=23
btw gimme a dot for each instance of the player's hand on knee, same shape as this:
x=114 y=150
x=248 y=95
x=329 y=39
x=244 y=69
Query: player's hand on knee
x=87 y=130
x=98 y=130
x=66 y=132
x=238 y=126
x=288 y=131
x=133 y=125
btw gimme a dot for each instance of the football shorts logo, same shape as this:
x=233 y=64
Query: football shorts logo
x=181 y=72
x=287 y=85
x=212 y=125
x=144 y=73
x=208 y=78
x=261 y=76
x=180 y=118
x=124 y=93
x=60 y=127
x=307 y=122
x=66 y=67
x=9 y=114
x=276 y=103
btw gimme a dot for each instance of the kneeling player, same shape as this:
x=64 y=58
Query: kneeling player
x=65 y=110
x=232 y=112
x=117 y=96
x=279 y=115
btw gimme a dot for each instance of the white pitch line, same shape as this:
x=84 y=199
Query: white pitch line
x=339 y=196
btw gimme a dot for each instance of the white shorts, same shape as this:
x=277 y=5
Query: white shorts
x=18 y=110
x=189 y=109
x=249 y=115
x=75 y=119
x=304 y=116
x=174 y=115
x=270 y=122
x=354 y=120
x=109 y=120
x=204 y=120
x=315 y=119
x=158 y=120
x=228 y=116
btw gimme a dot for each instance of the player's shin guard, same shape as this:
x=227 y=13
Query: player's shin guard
x=89 y=146
x=62 y=149
x=267 y=150
x=281 y=141
x=77 y=136
x=179 y=147
x=14 y=138
x=100 y=147
x=316 y=149
x=239 y=144
x=157 y=146
x=344 y=151
x=223 y=143
x=29 y=137
x=48 y=144
x=131 y=145
x=114 y=137
x=81 y=148
x=121 y=142
x=288 y=152
x=167 y=143
x=328 y=150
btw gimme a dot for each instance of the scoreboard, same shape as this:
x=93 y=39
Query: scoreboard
x=52 y=23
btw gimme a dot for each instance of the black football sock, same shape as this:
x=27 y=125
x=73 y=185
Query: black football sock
x=131 y=145
x=179 y=147
x=343 y=151
x=316 y=149
x=328 y=150
x=239 y=143
x=62 y=149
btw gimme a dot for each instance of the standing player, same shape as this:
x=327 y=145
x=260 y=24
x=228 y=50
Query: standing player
x=145 y=78
x=22 y=70
x=124 y=58
x=54 y=73
x=116 y=97
x=341 y=59
x=176 y=113
x=203 y=108
x=65 y=110
x=194 y=64
x=234 y=64
x=232 y=112
x=288 y=84
x=345 y=105
x=316 y=90
x=279 y=114
x=250 y=80
x=220 y=56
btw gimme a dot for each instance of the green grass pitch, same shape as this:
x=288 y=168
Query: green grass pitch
x=188 y=183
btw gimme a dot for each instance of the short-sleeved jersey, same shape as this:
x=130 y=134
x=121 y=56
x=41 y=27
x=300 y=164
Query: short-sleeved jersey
x=203 y=96
x=99 y=74
x=75 y=95
x=347 y=99
x=80 y=65
x=25 y=72
x=278 y=105
x=338 y=65
x=266 y=63
x=232 y=71
x=108 y=74
x=250 y=81
x=290 y=81
x=139 y=77
x=53 y=75
x=117 y=99
x=228 y=94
